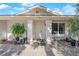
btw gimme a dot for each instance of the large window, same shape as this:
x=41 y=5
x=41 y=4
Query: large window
x=58 y=28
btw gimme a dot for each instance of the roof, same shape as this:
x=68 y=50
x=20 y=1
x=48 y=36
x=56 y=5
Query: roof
x=25 y=12
x=41 y=9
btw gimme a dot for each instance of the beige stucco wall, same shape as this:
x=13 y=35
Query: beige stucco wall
x=3 y=29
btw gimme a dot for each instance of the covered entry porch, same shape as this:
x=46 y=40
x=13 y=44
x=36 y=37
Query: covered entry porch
x=39 y=29
x=37 y=26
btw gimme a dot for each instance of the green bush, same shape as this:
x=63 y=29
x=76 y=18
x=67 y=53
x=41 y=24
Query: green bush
x=17 y=30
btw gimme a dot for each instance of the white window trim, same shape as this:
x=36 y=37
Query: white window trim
x=58 y=34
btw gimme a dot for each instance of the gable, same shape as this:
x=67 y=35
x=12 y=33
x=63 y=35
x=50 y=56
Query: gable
x=37 y=11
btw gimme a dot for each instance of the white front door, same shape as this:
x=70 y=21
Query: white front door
x=39 y=29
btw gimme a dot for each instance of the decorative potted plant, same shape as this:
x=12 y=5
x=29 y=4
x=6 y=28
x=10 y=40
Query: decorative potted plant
x=17 y=30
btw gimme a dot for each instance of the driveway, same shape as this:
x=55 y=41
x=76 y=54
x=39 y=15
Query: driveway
x=38 y=51
x=24 y=50
x=50 y=51
x=10 y=49
x=28 y=50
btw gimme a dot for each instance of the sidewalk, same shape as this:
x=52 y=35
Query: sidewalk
x=30 y=51
x=40 y=51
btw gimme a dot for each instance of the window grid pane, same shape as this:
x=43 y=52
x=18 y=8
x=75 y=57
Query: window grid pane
x=54 y=28
x=61 y=28
x=58 y=28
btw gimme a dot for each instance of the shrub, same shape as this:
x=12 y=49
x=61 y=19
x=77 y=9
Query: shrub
x=17 y=30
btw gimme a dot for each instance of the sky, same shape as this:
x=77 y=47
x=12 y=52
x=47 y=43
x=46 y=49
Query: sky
x=60 y=8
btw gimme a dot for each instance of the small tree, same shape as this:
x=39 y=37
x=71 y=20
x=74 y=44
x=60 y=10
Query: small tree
x=73 y=26
x=17 y=30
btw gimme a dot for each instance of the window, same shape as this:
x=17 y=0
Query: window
x=54 y=28
x=61 y=28
x=58 y=28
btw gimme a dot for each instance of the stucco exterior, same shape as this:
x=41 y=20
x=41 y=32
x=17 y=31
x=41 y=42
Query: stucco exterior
x=37 y=20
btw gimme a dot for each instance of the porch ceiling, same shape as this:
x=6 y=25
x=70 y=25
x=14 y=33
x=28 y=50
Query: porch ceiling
x=34 y=17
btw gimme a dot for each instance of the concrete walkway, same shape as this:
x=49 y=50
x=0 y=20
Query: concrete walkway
x=24 y=50
x=39 y=51
x=30 y=51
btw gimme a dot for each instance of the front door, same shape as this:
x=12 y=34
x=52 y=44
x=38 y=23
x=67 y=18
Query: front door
x=39 y=29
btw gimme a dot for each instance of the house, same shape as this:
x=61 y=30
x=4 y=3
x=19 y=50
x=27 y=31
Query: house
x=40 y=23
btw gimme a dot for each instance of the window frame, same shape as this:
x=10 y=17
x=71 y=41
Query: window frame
x=58 y=30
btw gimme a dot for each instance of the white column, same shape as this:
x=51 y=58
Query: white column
x=29 y=30
x=66 y=31
x=48 y=31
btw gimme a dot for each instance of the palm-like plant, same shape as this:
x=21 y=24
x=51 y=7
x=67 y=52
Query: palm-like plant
x=17 y=30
